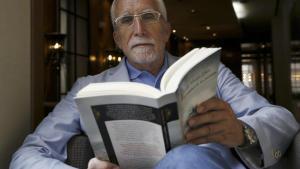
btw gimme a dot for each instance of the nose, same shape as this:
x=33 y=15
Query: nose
x=138 y=27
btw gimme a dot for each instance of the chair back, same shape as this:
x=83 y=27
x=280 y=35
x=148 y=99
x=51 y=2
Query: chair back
x=79 y=151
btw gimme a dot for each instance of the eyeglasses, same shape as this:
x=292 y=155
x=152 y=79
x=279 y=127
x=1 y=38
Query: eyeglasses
x=145 y=17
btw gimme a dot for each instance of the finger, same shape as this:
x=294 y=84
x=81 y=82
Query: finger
x=205 y=131
x=209 y=117
x=95 y=163
x=211 y=105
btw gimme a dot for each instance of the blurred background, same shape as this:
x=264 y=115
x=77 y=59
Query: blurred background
x=46 y=45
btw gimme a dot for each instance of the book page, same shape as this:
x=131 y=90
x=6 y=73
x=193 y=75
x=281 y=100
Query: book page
x=198 y=85
x=175 y=133
x=172 y=69
x=135 y=136
x=119 y=88
x=181 y=67
x=137 y=144
x=86 y=107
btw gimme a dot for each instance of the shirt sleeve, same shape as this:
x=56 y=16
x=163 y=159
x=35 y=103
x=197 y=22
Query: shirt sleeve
x=46 y=147
x=274 y=126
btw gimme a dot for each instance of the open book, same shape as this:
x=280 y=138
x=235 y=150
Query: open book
x=133 y=124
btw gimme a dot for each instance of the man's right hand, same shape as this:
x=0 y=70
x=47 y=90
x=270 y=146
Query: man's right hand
x=95 y=163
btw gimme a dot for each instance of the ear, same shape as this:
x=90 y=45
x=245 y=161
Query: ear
x=168 y=31
x=117 y=39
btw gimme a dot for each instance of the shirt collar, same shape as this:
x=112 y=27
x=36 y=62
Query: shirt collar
x=135 y=73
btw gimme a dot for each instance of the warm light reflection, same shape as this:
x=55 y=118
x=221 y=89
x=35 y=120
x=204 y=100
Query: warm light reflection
x=296 y=76
x=56 y=46
x=119 y=59
x=185 y=38
x=110 y=57
x=93 y=58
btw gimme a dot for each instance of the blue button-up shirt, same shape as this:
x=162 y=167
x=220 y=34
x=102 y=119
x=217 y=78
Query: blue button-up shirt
x=136 y=75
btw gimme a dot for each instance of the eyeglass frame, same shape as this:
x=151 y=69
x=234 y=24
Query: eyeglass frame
x=138 y=15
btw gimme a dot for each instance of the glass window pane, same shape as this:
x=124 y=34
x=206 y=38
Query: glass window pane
x=248 y=77
x=63 y=27
x=64 y=4
x=68 y=5
x=63 y=22
x=269 y=68
x=295 y=77
x=69 y=63
x=71 y=5
x=82 y=7
x=71 y=34
x=82 y=37
x=82 y=66
x=63 y=76
x=262 y=76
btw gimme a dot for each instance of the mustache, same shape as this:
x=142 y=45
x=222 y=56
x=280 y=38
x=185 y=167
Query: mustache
x=140 y=41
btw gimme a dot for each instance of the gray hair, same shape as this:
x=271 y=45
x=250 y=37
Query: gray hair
x=161 y=7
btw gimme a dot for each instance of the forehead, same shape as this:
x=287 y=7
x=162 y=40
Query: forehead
x=134 y=6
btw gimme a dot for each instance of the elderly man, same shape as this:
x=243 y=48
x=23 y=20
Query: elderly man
x=237 y=121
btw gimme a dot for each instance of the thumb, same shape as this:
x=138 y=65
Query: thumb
x=95 y=163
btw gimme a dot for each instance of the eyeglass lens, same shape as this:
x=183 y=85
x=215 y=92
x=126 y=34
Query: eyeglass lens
x=148 y=17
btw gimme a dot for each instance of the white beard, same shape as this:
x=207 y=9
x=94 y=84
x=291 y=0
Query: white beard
x=144 y=55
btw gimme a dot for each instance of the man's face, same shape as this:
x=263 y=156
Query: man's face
x=143 y=43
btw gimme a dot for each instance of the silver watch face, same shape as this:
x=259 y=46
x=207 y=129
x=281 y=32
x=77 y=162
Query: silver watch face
x=250 y=135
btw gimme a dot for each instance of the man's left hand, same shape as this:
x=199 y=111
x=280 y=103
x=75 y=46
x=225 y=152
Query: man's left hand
x=216 y=122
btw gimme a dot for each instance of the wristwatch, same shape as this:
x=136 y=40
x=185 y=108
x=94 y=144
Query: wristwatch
x=250 y=138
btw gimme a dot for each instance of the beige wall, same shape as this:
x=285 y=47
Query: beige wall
x=14 y=76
